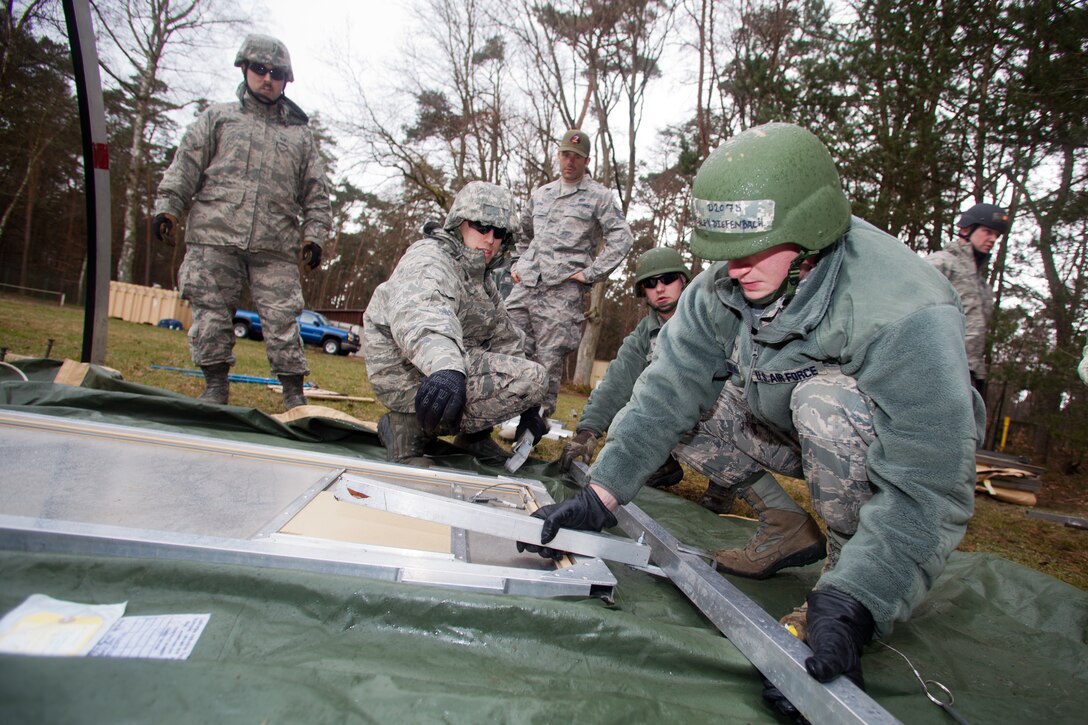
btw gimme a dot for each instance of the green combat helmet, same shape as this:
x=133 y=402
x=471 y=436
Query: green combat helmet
x=772 y=184
x=485 y=203
x=266 y=50
x=659 y=260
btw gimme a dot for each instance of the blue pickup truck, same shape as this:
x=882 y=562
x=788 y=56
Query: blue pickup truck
x=314 y=327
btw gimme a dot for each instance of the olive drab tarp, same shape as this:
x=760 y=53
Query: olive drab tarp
x=289 y=646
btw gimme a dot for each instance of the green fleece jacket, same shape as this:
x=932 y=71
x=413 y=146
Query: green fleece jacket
x=886 y=318
x=615 y=390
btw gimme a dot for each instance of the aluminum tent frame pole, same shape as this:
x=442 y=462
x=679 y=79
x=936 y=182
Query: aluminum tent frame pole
x=508 y=525
x=767 y=644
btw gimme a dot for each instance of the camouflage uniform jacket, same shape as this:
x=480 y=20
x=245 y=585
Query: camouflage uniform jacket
x=251 y=172
x=615 y=390
x=559 y=234
x=899 y=336
x=439 y=302
x=957 y=263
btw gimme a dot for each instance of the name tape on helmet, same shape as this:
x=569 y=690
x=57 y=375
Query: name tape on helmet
x=734 y=217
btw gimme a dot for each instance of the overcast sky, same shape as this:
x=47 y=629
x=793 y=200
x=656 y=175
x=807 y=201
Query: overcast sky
x=322 y=35
x=318 y=33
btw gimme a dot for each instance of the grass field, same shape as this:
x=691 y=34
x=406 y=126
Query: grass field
x=27 y=325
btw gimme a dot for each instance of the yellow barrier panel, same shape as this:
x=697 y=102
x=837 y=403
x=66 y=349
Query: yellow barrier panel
x=148 y=305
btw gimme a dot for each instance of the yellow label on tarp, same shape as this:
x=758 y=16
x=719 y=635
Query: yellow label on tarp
x=42 y=625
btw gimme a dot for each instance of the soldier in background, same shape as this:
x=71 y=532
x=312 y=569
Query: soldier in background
x=558 y=261
x=259 y=195
x=441 y=352
x=660 y=278
x=964 y=263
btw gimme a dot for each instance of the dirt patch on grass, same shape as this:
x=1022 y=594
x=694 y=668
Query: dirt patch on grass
x=1067 y=494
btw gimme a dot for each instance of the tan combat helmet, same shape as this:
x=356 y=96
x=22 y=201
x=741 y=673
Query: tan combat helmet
x=266 y=50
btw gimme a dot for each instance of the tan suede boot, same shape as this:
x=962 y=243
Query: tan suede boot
x=783 y=539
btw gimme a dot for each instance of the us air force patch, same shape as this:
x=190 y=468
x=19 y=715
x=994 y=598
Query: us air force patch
x=778 y=377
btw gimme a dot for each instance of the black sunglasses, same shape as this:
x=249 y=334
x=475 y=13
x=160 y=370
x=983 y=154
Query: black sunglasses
x=500 y=233
x=667 y=278
x=260 y=69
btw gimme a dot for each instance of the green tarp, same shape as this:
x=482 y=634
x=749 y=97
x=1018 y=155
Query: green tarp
x=287 y=646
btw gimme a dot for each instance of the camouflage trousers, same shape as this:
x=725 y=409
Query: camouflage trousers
x=551 y=318
x=499 y=387
x=834 y=424
x=211 y=279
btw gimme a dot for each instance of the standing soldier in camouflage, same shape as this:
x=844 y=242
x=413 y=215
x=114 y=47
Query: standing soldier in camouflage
x=558 y=261
x=441 y=352
x=258 y=192
x=836 y=355
x=964 y=263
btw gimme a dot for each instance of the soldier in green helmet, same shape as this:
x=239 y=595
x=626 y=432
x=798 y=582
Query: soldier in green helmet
x=253 y=180
x=831 y=353
x=660 y=277
x=441 y=352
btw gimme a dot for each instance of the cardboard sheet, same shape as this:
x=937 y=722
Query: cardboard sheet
x=327 y=518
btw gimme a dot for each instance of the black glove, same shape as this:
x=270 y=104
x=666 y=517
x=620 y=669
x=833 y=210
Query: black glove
x=774 y=697
x=580 y=447
x=441 y=400
x=311 y=254
x=162 y=226
x=531 y=421
x=585 y=512
x=838 y=627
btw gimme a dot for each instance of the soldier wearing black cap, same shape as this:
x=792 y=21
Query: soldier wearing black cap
x=557 y=258
x=964 y=263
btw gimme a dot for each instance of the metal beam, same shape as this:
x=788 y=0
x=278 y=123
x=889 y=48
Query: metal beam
x=508 y=525
x=774 y=651
x=589 y=577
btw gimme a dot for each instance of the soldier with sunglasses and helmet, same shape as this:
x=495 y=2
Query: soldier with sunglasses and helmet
x=441 y=352
x=660 y=277
x=254 y=182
